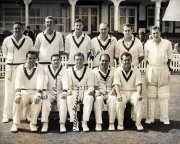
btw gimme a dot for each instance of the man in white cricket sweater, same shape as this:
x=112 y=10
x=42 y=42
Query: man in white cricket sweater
x=130 y=44
x=104 y=92
x=28 y=85
x=81 y=84
x=48 y=42
x=128 y=86
x=77 y=42
x=56 y=86
x=14 y=49
x=103 y=44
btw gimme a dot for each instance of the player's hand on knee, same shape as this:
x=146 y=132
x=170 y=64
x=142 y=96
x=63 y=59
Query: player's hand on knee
x=113 y=92
x=91 y=92
x=97 y=93
x=37 y=98
x=69 y=92
x=44 y=95
x=17 y=99
x=140 y=98
x=64 y=95
x=119 y=98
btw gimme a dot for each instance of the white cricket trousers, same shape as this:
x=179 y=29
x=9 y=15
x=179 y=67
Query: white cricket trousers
x=27 y=96
x=9 y=91
x=157 y=80
x=86 y=99
x=98 y=108
x=132 y=97
x=61 y=105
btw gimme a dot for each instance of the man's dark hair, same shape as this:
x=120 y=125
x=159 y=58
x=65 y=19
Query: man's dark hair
x=79 y=20
x=33 y=52
x=18 y=22
x=126 y=54
x=155 y=28
x=55 y=55
x=37 y=26
x=127 y=25
x=28 y=27
x=105 y=55
x=79 y=54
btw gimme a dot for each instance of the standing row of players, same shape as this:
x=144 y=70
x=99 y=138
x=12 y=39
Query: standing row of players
x=158 y=54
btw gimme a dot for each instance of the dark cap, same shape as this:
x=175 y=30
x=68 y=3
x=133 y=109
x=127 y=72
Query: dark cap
x=28 y=27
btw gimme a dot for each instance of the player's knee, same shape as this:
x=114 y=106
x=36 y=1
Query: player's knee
x=163 y=92
x=112 y=99
x=151 y=91
x=99 y=99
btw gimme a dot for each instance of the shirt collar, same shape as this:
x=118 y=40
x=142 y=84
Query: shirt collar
x=106 y=71
x=160 y=40
x=23 y=36
x=56 y=69
x=106 y=39
x=35 y=66
x=45 y=32
x=132 y=38
x=75 y=68
x=132 y=68
x=74 y=34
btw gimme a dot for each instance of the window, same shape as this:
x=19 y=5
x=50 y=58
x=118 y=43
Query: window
x=177 y=27
x=126 y=15
x=37 y=13
x=90 y=17
x=9 y=14
x=165 y=26
x=60 y=12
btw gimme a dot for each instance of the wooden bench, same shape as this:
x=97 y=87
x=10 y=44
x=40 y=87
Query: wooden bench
x=127 y=113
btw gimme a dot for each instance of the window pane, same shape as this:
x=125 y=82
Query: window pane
x=37 y=12
x=131 y=12
x=60 y=28
x=8 y=26
x=177 y=24
x=32 y=21
x=112 y=23
x=38 y=21
x=93 y=23
x=77 y=11
x=11 y=9
x=112 y=11
x=13 y=19
x=84 y=11
x=85 y=21
x=132 y=20
x=93 y=11
x=150 y=12
x=122 y=21
x=150 y=21
x=32 y=12
x=122 y=11
x=11 y=13
x=76 y=17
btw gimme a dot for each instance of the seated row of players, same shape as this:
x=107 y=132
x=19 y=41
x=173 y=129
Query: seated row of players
x=54 y=82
